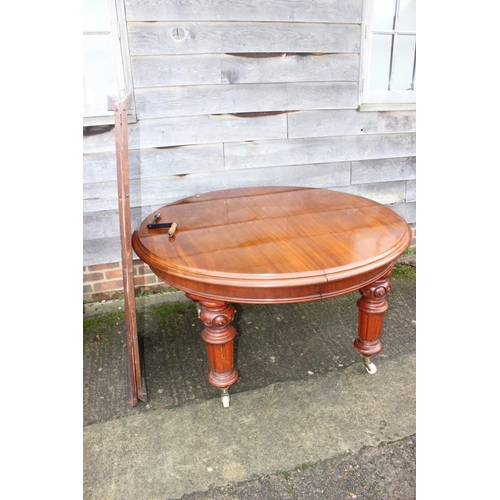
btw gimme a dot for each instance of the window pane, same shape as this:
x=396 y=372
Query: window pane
x=403 y=64
x=380 y=62
x=383 y=14
x=407 y=16
x=98 y=70
x=95 y=15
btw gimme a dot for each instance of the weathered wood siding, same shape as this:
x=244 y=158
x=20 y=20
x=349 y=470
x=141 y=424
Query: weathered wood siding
x=236 y=93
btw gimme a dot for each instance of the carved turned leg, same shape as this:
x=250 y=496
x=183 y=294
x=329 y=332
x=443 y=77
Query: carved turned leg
x=371 y=309
x=218 y=334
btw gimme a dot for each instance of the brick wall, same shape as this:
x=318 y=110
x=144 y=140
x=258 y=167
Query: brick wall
x=105 y=281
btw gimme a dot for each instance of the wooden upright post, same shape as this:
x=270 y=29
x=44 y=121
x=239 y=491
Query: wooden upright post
x=136 y=387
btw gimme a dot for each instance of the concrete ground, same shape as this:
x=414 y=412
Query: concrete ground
x=305 y=421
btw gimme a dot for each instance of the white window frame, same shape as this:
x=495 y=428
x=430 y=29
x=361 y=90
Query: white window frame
x=370 y=100
x=122 y=69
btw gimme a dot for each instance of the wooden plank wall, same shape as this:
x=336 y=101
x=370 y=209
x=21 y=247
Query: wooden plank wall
x=234 y=93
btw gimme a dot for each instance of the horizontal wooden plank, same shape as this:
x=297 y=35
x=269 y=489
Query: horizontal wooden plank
x=163 y=38
x=102 y=196
x=210 y=69
x=289 y=67
x=106 y=223
x=101 y=251
x=383 y=170
x=244 y=98
x=411 y=190
x=163 y=71
x=206 y=129
x=317 y=150
x=323 y=123
x=338 y=11
x=406 y=210
x=101 y=167
x=386 y=193
x=156 y=192
x=99 y=225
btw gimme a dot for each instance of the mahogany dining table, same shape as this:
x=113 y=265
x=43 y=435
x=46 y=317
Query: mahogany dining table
x=271 y=245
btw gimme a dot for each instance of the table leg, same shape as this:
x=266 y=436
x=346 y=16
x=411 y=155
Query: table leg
x=371 y=309
x=218 y=334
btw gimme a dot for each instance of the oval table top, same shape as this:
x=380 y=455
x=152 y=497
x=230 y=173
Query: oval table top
x=272 y=244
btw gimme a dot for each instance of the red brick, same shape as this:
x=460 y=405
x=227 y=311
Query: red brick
x=93 y=277
x=104 y=267
x=108 y=285
x=145 y=280
x=142 y=270
x=114 y=274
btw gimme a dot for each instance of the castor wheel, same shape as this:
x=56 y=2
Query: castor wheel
x=225 y=398
x=370 y=367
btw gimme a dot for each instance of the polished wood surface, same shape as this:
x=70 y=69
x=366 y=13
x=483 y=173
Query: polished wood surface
x=273 y=244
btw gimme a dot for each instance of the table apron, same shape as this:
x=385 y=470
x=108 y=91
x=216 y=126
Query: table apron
x=262 y=294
